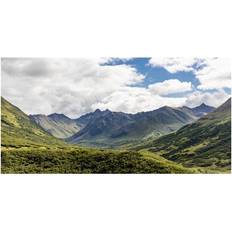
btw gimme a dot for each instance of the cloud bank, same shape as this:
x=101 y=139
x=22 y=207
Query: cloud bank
x=78 y=86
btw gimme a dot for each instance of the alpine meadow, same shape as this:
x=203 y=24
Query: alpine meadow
x=116 y=115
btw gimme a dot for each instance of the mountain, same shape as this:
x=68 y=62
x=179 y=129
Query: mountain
x=27 y=148
x=101 y=127
x=106 y=128
x=204 y=143
x=58 y=125
x=17 y=130
x=201 y=147
x=202 y=110
x=109 y=129
x=85 y=119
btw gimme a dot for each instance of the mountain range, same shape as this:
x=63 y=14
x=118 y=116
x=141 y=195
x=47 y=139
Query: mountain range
x=166 y=140
x=109 y=129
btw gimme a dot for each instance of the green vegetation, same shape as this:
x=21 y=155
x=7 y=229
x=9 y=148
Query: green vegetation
x=17 y=130
x=205 y=143
x=77 y=160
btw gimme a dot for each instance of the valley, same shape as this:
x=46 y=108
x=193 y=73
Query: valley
x=112 y=129
x=166 y=140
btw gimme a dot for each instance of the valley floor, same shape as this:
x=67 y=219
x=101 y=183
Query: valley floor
x=82 y=160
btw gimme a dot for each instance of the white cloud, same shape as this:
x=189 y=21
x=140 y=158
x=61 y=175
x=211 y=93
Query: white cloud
x=133 y=100
x=70 y=86
x=215 y=98
x=212 y=73
x=174 y=65
x=78 y=86
x=215 y=74
x=170 y=86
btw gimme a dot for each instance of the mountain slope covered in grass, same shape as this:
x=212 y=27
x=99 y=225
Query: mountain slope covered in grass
x=17 y=130
x=205 y=143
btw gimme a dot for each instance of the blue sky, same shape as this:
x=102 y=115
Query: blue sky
x=159 y=74
x=155 y=74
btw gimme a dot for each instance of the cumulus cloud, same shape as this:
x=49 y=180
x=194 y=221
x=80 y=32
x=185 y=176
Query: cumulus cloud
x=78 y=86
x=70 y=86
x=212 y=73
x=174 y=65
x=133 y=100
x=215 y=98
x=169 y=87
x=25 y=67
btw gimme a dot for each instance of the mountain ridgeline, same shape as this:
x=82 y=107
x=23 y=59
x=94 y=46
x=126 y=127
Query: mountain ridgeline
x=58 y=125
x=110 y=129
x=204 y=143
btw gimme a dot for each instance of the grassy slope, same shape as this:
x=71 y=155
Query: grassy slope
x=78 y=160
x=17 y=130
x=205 y=143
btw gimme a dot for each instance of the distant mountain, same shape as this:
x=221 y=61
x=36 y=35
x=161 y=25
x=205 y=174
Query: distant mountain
x=106 y=128
x=17 y=130
x=205 y=143
x=100 y=127
x=202 y=110
x=86 y=118
x=58 y=125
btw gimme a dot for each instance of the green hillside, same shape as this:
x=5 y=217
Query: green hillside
x=77 y=160
x=17 y=130
x=205 y=143
x=27 y=148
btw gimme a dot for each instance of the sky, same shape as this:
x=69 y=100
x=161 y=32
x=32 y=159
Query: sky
x=81 y=85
